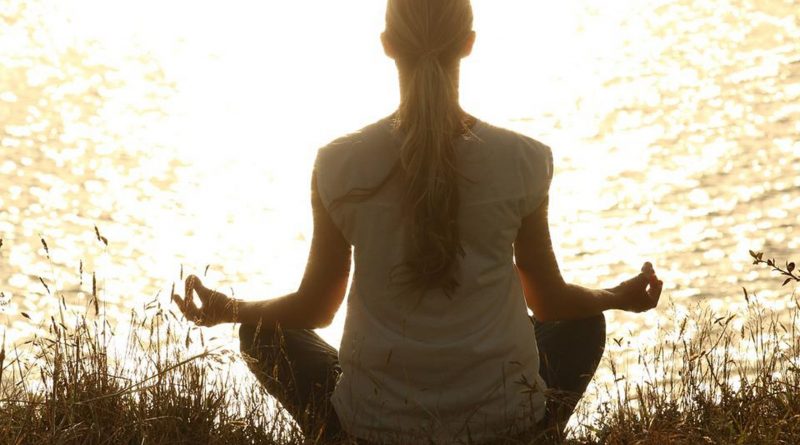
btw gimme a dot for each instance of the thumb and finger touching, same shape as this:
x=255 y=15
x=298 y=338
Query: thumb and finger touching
x=655 y=285
x=205 y=294
x=187 y=304
x=643 y=290
x=203 y=315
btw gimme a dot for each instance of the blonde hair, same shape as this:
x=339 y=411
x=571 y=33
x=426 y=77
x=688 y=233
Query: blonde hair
x=428 y=38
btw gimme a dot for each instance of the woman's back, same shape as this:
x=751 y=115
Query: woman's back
x=453 y=366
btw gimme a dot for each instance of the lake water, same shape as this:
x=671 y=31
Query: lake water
x=186 y=135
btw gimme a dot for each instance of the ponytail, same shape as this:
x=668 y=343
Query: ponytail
x=430 y=119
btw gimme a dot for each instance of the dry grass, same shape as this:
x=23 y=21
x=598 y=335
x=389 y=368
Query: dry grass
x=714 y=379
x=731 y=378
x=73 y=386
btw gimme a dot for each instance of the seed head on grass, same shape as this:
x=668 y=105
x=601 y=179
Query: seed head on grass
x=46 y=249
x=100 y=238
x=47 y=288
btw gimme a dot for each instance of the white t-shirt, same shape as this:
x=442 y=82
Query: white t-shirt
x=417 y=368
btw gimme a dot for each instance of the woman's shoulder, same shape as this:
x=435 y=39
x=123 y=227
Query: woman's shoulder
x=359 y=154
x=518 y=145
x=366 y=135
x=524 y=163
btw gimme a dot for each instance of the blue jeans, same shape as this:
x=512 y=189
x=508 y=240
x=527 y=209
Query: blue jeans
x=300 y=370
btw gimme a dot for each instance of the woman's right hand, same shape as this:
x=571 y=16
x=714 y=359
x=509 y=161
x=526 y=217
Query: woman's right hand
x=639 y=294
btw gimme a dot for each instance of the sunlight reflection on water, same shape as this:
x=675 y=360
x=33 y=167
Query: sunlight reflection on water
x=186 y=134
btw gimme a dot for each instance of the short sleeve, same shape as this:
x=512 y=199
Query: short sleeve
x=323 y=186
x=328 y=171
x=536 y=171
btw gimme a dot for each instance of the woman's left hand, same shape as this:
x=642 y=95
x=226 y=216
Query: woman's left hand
x=216 y=307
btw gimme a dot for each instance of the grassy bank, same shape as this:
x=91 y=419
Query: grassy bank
x=715 y=378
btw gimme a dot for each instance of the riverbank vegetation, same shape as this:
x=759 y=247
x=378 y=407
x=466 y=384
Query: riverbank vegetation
x=715 y=379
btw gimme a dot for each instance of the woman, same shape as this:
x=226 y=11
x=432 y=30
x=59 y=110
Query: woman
x=438 y=345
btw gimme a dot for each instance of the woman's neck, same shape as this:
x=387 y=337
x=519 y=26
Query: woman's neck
x=468 y=120
x=403 y=74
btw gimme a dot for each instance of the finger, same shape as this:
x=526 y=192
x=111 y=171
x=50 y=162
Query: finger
x=194 y=280
x=187 y=292
x=191 y=310
x=205 y=294
x=642 y=279
x=194 y=285
x=648 y=275
x=188 y=309
x=189 y=289
x=655 y=290
x=647 y=267
x=197 y=286
x=179 y=301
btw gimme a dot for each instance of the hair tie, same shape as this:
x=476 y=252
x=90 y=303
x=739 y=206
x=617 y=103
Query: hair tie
x=430 y=54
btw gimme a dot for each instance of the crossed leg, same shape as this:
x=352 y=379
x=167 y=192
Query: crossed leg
x=569 y=352
x=300 y=370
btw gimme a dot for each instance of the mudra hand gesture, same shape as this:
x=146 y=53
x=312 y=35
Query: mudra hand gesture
x=641 y=293
x=216 y=307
